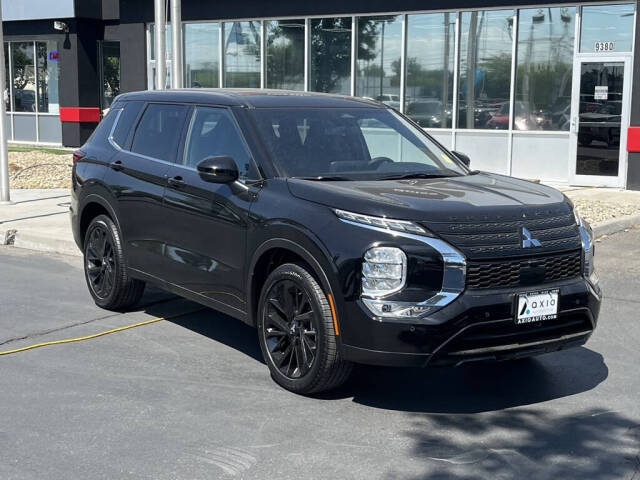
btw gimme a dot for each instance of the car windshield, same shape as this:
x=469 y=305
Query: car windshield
x=350 y=144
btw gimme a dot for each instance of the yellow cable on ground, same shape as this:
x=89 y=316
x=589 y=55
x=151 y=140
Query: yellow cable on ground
x=95 y=335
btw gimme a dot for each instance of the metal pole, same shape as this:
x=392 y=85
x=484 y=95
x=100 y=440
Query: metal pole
x=176 y=41
x=160 y=44
x=4 y=154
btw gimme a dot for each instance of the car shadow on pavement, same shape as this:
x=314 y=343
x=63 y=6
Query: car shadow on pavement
x=224 y=329
x=473 y=388
x=476 y=388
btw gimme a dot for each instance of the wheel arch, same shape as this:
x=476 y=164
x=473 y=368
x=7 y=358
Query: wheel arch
x=283 y=250
x=93 y=205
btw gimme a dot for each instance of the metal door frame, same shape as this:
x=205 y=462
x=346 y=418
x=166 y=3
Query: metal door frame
x=620 y=180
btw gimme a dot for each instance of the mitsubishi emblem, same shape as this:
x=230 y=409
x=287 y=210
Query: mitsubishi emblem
x=527 y=239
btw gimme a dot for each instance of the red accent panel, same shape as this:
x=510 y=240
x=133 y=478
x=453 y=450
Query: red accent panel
x=80 y=114
x=633 y=139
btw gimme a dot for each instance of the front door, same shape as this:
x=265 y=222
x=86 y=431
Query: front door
x=599 y=123
x=207 y=222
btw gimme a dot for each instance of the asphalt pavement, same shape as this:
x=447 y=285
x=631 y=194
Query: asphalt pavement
x=190 y=398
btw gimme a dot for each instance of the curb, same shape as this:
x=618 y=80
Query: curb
x=40 y=243
x=615 y=225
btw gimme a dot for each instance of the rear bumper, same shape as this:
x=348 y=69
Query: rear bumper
x=476 y=327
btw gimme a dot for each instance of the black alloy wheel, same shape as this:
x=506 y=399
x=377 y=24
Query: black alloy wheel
x=290 y=329
x=105 y=268
x=100 y=261
x=297 y=333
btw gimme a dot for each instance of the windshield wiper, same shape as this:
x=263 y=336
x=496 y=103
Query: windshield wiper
x=402 y=176
x=323 y=178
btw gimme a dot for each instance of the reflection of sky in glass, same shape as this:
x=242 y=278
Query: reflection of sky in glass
x=545 y=35
x=607 y=23
x=426 y=39
x=201 y=45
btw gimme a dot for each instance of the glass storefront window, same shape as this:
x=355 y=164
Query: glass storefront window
x=47 y=59
x=109 y=72
x=429 y=69
x=242 y=54
x=486 y=39
x=544 y=68
x=24 y=78
x=285 y=54
x=607 y=28
x=201 y=62
x=379 y=50
x=330 y=68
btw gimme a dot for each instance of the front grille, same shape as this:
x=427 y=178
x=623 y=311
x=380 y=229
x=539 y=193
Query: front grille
x=484 y=239
x=521 y=272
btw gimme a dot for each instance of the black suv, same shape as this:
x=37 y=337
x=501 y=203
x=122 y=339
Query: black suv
x=335 y=225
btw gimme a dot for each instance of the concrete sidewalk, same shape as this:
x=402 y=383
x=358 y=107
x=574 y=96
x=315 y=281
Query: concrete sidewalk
x=39 y=219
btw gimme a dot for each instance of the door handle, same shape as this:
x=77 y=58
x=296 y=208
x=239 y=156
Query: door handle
x=117 y=165
x=176 y=181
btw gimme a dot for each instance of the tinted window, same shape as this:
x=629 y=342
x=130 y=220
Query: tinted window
x=125 y=122
x=158 y=132
x=104 y=127
x=213 y=131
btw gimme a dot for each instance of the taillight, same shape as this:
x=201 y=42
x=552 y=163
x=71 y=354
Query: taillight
x=77 y=155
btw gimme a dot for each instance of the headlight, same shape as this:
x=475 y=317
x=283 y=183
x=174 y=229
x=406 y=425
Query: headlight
x=384 y=271
x=381 y=222
x=588 y=248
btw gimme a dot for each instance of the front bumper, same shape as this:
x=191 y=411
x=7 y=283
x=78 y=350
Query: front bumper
x=478 y=325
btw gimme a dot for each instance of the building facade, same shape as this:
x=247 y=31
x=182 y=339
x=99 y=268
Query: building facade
x=534 y=90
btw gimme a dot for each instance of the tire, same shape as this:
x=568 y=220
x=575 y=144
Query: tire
x=326 y=370
x=105 y=268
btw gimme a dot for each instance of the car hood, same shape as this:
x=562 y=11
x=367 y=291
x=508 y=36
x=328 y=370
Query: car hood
x=477 y=197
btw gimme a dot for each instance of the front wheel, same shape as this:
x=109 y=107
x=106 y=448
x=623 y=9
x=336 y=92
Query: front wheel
x=297 y=334
x=105 y=269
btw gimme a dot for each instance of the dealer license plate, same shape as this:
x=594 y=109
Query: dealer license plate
x=537 y=306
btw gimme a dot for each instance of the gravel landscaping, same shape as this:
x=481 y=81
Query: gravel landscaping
x=595 y=211
x=46 y=168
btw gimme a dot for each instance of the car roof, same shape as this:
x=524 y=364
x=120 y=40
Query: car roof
x=252 y=98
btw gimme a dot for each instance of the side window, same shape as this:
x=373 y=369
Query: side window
x=158 y=133
x=125 y=122
x=213 y=131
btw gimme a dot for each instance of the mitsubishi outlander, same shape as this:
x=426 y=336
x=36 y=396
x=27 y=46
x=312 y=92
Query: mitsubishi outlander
x=336 y=226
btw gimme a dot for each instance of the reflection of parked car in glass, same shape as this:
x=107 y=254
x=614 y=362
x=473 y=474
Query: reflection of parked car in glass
x=391 y=100
x=428 y=113
x=25 y=100
x=524 y=118
x=603 y=124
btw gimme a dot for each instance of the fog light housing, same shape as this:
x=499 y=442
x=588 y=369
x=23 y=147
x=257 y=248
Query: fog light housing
x=384 y=271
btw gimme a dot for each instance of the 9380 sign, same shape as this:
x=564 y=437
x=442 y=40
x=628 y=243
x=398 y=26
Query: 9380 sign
x=604 y=47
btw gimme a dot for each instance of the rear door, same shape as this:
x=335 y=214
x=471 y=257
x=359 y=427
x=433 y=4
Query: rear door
x=138 y=176
x=206 y=243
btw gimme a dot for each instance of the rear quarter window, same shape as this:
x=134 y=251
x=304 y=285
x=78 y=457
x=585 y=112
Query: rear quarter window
x=124 y=128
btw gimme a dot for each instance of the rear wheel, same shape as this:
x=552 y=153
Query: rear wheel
x=297 y=334
x=105 y=268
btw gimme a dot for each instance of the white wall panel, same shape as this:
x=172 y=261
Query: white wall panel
x=487 y=151
x=539 y=156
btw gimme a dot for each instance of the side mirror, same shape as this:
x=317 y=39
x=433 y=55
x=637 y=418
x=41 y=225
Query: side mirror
x=463 y=158
x=218 y=169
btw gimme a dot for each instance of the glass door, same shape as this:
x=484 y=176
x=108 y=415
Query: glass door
x=600 y=119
